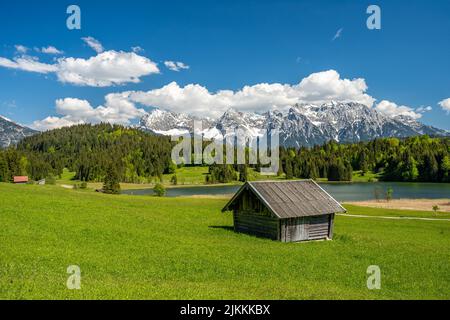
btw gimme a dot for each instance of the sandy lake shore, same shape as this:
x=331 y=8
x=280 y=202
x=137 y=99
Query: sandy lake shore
x=407 y=204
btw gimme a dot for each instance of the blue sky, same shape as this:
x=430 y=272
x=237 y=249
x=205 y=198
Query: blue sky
x=227 y=45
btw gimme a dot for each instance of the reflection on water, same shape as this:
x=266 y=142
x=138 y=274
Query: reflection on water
x=341 y=191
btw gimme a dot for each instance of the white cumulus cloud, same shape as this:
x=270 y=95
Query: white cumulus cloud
x=105 y=69
x=51 y=50
x=175 y=65
x=21 y=49
x=445 y=104
x=27 y=63
x=137 y=49
x=317 y=88
x=424 y=109
x=72 y=111
x=50 y=123
x=393 y=110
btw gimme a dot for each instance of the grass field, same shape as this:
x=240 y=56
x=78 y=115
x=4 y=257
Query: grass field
x=187 y=176
x=194 y=176
x=183 y=248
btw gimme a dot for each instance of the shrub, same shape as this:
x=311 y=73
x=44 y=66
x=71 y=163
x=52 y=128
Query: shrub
x=389 y=194
x=172 y=168
x=50 y=180
x=436 y=208
x=159 y=190
x=174 y=180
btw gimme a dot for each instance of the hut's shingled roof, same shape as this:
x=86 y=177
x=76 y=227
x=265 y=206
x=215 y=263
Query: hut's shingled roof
x=290 y=199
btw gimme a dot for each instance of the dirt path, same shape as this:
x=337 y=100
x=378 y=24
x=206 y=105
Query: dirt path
x=392 y=218
x=407 y=204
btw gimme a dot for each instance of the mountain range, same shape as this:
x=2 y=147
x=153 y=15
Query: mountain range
x=301 y=125
x=11 y=132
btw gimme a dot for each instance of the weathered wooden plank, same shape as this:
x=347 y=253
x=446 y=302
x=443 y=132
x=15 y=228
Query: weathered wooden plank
x=331 y=229
x=258 y=225
x=319 y=227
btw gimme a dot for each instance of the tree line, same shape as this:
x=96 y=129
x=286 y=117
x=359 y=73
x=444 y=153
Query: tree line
x=419 y=158
x=131 y=155
x=91 y=151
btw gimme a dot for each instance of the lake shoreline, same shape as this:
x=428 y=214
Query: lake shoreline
x=151 y=186
x=343 y=192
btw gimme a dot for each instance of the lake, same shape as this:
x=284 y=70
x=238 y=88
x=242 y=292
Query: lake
x=341 y=191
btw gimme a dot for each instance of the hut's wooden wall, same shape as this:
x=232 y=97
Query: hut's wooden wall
x=307 y=228
x=318 y=227
x=262 y=226
x=252 y=217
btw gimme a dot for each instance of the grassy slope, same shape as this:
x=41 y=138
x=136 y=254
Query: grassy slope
x=161 y=248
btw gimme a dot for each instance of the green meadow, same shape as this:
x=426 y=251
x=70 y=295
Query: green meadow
x=195 y=176
x=143 y=247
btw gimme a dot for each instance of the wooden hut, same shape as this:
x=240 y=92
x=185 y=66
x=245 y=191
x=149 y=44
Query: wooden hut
x=284 y=210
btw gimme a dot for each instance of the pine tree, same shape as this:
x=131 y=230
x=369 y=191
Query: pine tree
x=348 y=176
x=4 y=171
x=243 y=173
x=288 y=169
x=445 y=166
x=111 y=184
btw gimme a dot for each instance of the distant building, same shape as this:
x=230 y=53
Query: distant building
x=20 y=179
x=287 y=211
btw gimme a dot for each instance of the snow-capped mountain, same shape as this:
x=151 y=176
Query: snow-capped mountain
x=11 y=132
x=308 y=125
x=301 y=125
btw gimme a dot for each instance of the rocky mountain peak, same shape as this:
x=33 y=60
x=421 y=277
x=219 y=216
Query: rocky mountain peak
x=12 y=132
x=301 y=125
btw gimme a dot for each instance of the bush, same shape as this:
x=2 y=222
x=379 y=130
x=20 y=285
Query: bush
x=389 y=194
x=222 y=173
x=436 y=209
x=174 y=180
x=172 y=168
x=82 y=185
x=50 y=180
x=159 y=190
